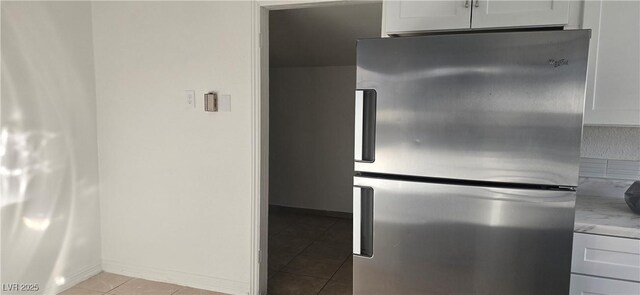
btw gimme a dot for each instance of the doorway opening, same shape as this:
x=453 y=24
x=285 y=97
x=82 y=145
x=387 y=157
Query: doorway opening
x=312 y=78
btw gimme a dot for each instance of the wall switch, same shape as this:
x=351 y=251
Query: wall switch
x=224 y=103
x=190 y=97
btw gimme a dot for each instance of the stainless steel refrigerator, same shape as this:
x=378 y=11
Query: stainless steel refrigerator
x=466 y=162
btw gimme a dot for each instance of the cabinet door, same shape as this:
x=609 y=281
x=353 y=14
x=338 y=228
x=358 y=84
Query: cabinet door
x=583 y=285
x=500 y=13
x=613 y=90
x=603 y=256
x=413 y=16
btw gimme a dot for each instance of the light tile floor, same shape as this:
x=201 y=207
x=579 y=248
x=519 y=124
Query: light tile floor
x=113 y=284
x=309 y=254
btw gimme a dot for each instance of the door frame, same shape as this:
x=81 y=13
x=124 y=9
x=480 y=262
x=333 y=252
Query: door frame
x=260 y=129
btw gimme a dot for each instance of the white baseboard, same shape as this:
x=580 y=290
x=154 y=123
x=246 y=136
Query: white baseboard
x=74 y=279
x=176 y=277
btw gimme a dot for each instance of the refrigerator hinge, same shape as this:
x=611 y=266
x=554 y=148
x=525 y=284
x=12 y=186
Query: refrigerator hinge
x=566 y=188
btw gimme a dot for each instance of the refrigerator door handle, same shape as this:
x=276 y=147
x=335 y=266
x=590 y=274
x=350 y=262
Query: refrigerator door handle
x=358 y=127
x=363 y=221
x=357 y=219
x=365 y=120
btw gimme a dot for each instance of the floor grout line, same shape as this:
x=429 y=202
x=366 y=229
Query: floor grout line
x=334 y=274
x=129 y=279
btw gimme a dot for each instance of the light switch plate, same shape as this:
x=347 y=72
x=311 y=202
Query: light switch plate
x=190 y=98
x=224 y=103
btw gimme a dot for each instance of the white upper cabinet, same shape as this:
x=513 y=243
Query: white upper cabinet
x=411 y=16
x=500 y=13
x=613 y=79
x=403 y=16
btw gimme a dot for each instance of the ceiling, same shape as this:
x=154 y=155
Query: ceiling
x=321 y=36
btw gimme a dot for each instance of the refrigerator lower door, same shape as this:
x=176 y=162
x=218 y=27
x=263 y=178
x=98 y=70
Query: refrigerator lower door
x=432 y=238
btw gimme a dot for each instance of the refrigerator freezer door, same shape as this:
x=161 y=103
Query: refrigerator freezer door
x=451 y=239
x=503 y=107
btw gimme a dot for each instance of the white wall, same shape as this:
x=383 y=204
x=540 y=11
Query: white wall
x=175 y=181
x=618 y=143
x=48 y=148
x=311 y=144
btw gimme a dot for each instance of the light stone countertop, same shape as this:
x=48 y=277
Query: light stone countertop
x=601 y=209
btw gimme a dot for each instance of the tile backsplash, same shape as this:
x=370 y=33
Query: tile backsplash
x=619 y=143
x=608 y=168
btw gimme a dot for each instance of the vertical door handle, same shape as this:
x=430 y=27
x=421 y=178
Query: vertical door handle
x=357 y=219
x=477 y=3
x=359 y=127
x=363 y=221
x=365 y=120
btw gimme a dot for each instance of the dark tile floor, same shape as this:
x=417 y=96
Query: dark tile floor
x=309 y=254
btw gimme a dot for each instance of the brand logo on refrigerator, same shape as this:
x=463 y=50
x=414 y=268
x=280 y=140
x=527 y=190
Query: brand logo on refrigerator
x=558 y=62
